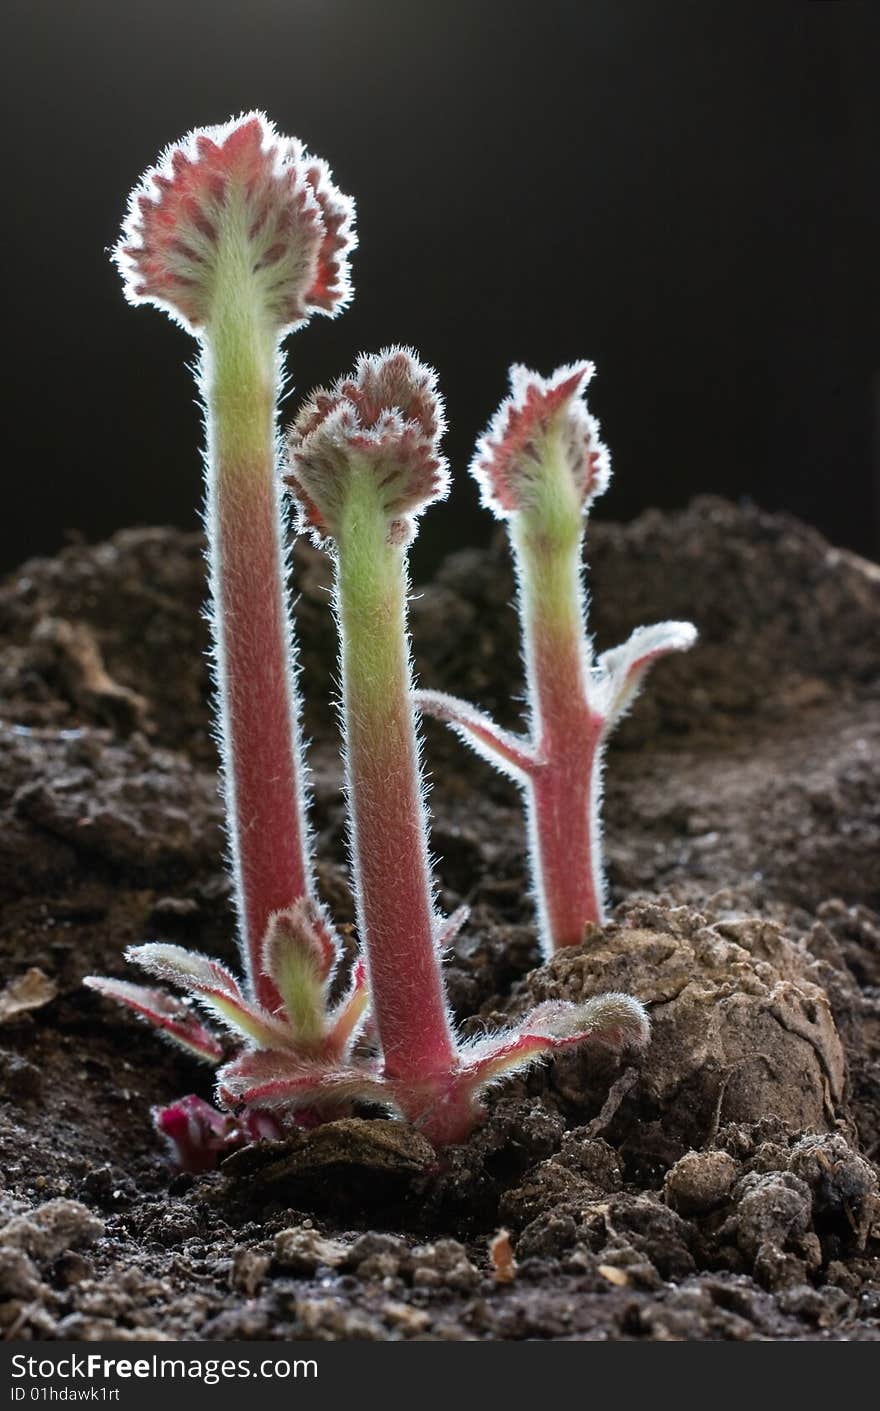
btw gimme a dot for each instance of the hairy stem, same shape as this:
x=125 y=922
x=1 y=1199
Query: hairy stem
x=562 y=788
x=258 y=710
x=388 y=823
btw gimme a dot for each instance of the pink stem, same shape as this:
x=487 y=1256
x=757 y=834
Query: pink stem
x=563 y=787
x=259 y=732
x=563 y=807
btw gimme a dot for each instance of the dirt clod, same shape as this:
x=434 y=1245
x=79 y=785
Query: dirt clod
x=740 y=1029
x=699 y=1181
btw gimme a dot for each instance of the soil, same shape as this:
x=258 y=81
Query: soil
x=723 y=1186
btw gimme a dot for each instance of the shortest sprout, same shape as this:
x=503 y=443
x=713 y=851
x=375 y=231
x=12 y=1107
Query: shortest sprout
x=540 y=465
x=542 y=439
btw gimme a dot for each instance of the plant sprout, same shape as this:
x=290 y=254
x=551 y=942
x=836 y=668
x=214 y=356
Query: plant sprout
x=240 y=235
x=539 y=466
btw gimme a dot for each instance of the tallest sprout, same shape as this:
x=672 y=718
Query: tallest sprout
x=241 y=236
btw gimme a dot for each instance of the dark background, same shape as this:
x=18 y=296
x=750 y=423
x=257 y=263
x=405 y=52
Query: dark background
x=685 y=191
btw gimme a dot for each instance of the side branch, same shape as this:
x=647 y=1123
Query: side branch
x=620 y=673
x=512 y=754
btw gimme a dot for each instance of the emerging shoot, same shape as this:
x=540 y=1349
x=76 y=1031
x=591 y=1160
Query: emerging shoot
x=240 y=235
x=540 y=465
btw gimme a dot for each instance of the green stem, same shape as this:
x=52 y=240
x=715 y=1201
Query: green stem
x=388 y=823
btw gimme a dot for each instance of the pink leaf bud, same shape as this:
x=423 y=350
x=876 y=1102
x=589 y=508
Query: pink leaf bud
x=243 y=202
x=542 y=425
x=195 y=1131
x=384 y=423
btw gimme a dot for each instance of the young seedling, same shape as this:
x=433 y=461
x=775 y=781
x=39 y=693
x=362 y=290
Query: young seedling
x=240 y=235
x=364 y=464
x=540 y=465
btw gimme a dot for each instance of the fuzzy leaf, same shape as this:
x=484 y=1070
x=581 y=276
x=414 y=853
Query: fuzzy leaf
x=187 y=968
x=164 y=1012
x=513 y=754
x=348 y=1018
x=614 y=1020
x=214 y=988
x=265 y=1079
x=618 y=675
